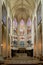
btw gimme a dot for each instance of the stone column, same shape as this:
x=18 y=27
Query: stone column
x=0 y=29
x=37 y=53
x=37 y=49
x=33 y=34
x=10 y=37
x=7 y=31
x=42 y=23
x=7 y=40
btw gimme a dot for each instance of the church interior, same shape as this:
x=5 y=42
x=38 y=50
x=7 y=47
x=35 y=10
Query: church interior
x=21 y=32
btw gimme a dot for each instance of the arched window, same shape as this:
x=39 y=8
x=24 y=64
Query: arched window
x=22 y=22
x=29 y=22
x=22 y=32
x=29 y=32
x=22 y=26
x=14 y=23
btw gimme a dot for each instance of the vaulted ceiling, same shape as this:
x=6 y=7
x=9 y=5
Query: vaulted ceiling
x=22 y=8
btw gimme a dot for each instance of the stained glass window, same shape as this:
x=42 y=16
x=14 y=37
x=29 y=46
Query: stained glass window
x=15 y=23
x=22 y=22
x=14 y=26
x=22 y=26
x=22 y=31
x=29 y=22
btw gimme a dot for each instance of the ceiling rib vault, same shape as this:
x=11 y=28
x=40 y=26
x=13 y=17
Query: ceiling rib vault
x=19 y=7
